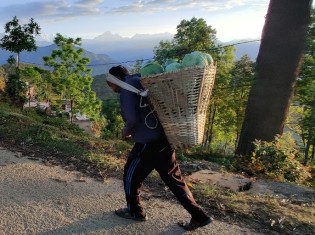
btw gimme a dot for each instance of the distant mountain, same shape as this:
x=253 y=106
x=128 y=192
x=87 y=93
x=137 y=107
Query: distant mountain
x=122 y=49
x=99 y=63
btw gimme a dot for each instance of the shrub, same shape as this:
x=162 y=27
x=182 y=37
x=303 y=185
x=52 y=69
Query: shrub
x=279 y=160
x=32 y=113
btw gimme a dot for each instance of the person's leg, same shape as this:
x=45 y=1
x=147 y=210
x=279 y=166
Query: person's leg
x=168 y=168
x=136 y=170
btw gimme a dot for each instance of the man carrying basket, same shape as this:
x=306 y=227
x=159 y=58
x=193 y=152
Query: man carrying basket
x=150 y=151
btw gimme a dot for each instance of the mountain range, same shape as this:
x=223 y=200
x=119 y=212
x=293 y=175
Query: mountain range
x=109 y=49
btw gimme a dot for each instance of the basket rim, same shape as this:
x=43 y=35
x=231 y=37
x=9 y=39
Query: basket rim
x=178 y=71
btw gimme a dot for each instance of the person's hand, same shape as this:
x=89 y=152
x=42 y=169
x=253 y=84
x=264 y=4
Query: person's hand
x=126 y=136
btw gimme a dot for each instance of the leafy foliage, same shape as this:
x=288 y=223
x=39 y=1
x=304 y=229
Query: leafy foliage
x=71 y=77
x=18 y=37
x=115 y=123
x=192 y=35
x=16 y=89
x=305 y=93
x=39 y=79
x=279 y=160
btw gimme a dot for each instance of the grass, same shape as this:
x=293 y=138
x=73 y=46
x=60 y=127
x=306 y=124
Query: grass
x=263 y=212
x=51 y=137
x=56 y=137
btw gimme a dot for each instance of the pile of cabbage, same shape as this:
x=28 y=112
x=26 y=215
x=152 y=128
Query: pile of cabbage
x=195 y=58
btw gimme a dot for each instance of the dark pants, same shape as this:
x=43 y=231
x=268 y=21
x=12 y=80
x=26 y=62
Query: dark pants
x=142 y=160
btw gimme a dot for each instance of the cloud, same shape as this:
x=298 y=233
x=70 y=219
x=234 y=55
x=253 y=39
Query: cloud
x=64 y=9
x=150 y=6
x=56 y=9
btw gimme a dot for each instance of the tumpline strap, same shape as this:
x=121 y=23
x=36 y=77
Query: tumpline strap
x=126 y=86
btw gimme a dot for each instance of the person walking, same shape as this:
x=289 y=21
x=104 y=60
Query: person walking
x=150 y=151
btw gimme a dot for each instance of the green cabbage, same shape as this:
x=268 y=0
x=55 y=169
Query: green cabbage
x=169 y=61
x=173 y=67
x=151 y=69
x=196 y=58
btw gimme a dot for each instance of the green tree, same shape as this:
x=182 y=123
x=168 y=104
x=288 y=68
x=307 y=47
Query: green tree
x=71 y=78
x=217 y=133
x=115 y=123
x=278 y=60
x=165 y=50
x=19 y=38
x=306 y=93
x=242 y=79
x=36 y=77
x=192 y=35
x=16 y=90
x=136 y=67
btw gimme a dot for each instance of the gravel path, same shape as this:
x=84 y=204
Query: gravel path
x=37 y=199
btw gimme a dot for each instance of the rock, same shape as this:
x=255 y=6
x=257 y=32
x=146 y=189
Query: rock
x=236 y=183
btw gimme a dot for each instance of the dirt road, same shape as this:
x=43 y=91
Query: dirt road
x=37 y=199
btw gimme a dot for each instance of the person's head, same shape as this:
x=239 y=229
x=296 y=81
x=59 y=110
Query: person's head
x=119 y=72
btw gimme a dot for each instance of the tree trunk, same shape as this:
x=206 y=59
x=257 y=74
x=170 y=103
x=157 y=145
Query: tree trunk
x=282 y=44
x=71 y=110
x=210 y=134
x=307 y=150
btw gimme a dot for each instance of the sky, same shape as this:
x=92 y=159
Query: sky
x=232 y=19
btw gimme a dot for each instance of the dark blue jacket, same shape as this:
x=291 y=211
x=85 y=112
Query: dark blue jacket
x=142 y=125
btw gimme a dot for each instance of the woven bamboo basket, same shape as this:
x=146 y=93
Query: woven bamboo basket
x=180 y=100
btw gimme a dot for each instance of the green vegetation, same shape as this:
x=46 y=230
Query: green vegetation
x=19 y=38
x=55 y=137
x=71 y=78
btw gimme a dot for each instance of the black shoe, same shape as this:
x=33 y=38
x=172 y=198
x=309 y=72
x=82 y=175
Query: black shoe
x=193 y=224
x=125 y=213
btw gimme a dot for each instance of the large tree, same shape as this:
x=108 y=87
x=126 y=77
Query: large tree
x=281 y=49
x=19 y=38
x=242 y=79
x=192 y=35
x=305 y=96
x=72 y=79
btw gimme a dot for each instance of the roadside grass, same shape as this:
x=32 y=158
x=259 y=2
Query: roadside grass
x=56 y=138
x=268 y=213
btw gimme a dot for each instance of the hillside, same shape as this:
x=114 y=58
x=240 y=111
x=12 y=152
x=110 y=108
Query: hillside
x=122 y=49
x=102 y=90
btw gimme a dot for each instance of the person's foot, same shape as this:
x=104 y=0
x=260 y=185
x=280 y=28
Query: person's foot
x=127 y=214
x=193 y=224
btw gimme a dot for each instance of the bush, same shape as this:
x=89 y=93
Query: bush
x=33 y=113
x=279 y=160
